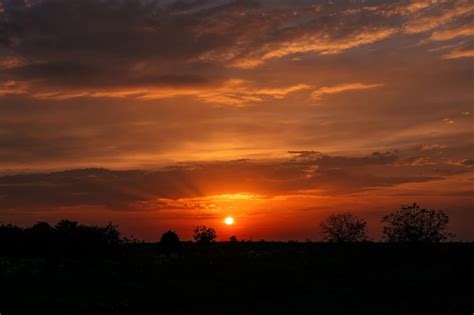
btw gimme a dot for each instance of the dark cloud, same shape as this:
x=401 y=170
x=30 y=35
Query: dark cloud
x=126 y=190
x=70 y=74
x=376 y=158
x=90 y=45
x=102 y=43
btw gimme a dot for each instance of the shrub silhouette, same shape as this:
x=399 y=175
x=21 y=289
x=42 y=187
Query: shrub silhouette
x=344 y=227
x=233 y=239
x=170 y=241
x=414 y=224
x=203 y=234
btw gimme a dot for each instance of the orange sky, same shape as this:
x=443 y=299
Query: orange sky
x=162 y=115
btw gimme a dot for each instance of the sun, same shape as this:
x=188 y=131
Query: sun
x=229 y=220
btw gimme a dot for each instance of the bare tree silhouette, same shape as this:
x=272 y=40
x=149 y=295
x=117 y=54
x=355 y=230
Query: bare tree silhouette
x=344 y=227
x=414 y=224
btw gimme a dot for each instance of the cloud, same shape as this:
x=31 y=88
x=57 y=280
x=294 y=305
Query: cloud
x=155 y=49
x=232 y=92
x=8 y=62
x=341 y=88
x=167 y=187
x=450 y=11
x=463 y=163
x=419 y=160
x=128 y=82
x=11 y=87
x=431 y=147
x=463 y=31
x=459 y=53
x=416 y=5
x=320 y=43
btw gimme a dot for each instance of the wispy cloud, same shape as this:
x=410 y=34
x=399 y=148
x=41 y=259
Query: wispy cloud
x=431 y=147
x=11 y=87
x=448 y=121
x=424 y=23
x=341 y=88
x=152 y=49
x=321 y=43
x=232 y=92
x=463 y=31
x=459 y=53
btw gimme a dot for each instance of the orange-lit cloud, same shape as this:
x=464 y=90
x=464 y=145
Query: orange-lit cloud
x=431 y=147
x=321 y=43
x=272 y=191
x=455 y=10
x=463 y=31
x=207 y=184
x=341 y=88
x=232 y=92
x=11 y=87
x=8 y=62
x=458 y=53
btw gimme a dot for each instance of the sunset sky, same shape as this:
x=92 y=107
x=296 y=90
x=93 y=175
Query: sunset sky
x=160 y=114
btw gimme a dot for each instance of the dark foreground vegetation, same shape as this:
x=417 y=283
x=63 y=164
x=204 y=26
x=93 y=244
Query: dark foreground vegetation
x=74 y=269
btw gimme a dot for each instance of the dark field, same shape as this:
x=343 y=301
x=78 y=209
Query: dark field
x=243 y=278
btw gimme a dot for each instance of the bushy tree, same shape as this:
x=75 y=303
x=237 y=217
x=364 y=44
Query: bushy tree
x=74 y=239
x=414 y=224
x=170 y=241
x=203 y=234
x=110 y=234
x=41 y=228
x=344 y=227
x=66 y=227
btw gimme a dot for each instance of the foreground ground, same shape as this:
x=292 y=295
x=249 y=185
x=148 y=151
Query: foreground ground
x=244 y=278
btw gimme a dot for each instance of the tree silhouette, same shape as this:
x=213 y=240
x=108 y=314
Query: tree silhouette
x=170 y=241
x=12 y=239
x=73 y=239
x=40 y=238
x=66 y=227
x=233 y=239
x=344 y=227
x=414 y=224
x=67 y=240
x=203 y=234
x=109 y=234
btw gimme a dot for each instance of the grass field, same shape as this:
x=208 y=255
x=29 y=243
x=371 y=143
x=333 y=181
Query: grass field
x=244 y=278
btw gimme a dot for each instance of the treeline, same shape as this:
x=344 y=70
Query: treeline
x=65 y=239
x=410 y=224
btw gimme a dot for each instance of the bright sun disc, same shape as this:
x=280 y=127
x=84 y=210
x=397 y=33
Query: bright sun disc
x=229 y=220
